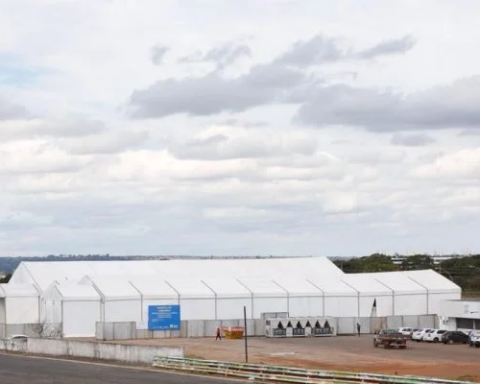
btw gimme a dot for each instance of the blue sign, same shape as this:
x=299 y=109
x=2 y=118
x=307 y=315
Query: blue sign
x=164 y=317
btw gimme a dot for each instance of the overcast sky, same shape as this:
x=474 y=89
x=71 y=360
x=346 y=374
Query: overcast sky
x=253 y=127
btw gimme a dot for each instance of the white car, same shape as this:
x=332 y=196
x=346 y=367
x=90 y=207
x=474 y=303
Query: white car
x=405 y=331
x=420 y=334
x=434 y=336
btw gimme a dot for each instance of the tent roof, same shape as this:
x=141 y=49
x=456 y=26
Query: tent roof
x=153 y=287
x=227 y=287
x=366 y=284
x=18 y=290
x=399 y=282
x=72 y=291
x=433 y=281
x=299 y=287
x=263 y=287
x=189 y=287
x=333 y=286
x=112 y=287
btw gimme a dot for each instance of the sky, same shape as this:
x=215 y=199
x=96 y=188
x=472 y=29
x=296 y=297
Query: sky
x=253 y=127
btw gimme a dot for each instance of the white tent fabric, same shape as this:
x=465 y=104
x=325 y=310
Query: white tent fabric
x=219 y=288
x=19 y=304
x=76 y=307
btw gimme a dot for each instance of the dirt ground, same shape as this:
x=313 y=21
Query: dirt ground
x=344 y=353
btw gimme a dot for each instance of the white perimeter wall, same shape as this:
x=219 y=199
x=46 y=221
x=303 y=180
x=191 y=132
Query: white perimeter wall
x=80 y=317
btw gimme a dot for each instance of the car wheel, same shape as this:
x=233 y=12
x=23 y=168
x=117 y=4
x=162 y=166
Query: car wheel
x=435 y=340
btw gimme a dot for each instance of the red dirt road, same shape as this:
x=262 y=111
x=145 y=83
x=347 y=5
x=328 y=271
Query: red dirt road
x=347 y=353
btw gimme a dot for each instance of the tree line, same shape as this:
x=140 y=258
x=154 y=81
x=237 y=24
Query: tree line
x=463 y=271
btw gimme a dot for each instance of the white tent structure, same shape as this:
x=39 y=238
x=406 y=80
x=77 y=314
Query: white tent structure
x=120 y=300
x=438 y=288
x=374 y=298
x=217 y=289
x=19 y=304
x=304 y=298
x=76 y=307
x=231 y=296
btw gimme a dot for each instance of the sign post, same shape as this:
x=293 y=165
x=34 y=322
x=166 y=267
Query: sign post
x=164 y=318
x=245 y=335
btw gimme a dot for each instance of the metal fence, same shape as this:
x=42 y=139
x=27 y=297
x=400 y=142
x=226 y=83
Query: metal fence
x=206 y=328
x=276 y=374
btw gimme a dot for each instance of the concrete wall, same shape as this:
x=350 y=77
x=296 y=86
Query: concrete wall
x=206 y=328
x=31 y=330
x=93 y=350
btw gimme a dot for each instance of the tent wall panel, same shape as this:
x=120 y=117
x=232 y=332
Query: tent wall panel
x=435 y=301
x=122 y=310
x=197 y=309
x=232 y=308
x=410 y=304
x=305 y=306
x=384 y=305
x=22 y=310
x=269 y=304
x=341 y=306
x=80 y=318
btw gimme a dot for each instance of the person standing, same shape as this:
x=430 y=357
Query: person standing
x=218 y=334
x=358 y=329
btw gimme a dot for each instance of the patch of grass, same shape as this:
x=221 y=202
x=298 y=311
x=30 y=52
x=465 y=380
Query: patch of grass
x=470 y=294
x=470 y=378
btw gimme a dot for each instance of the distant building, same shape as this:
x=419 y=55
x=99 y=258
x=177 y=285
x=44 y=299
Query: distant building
x=437 y=259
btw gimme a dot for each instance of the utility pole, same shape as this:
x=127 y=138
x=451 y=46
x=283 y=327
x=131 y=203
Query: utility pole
x=245 y=332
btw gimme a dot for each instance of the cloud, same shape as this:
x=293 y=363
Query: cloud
x=158 y=54
x=389 y=47
x=11 y=111
x=225 y=143
x=442 y=107
x=412 y=140
x=213 y=94
x=222 y=55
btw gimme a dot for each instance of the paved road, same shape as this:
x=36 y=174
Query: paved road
x=22 y=369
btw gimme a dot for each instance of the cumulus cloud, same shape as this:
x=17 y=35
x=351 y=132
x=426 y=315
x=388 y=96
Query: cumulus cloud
x=11 y=111
x=222 y=55
x=158 y=53
x=226 y=143
x=389 y=47
x=450 y=106
x=412 y=140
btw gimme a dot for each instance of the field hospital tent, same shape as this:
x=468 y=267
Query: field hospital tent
x=153 y=292
x=438 y=288
x=120 y=300
x=218 y=289
x=374 y=298
x=340 y=300
x=76 y=307
x=267 y=296
x=231 y=296
x=409 y=297
x=19 y=304
x=304 y=298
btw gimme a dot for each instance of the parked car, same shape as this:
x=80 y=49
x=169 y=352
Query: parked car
x=451 y=337
x=435 y=336
x=420 y=334
x=17 y=337
x=474 y=339
x=405 y=331
x=389 y=338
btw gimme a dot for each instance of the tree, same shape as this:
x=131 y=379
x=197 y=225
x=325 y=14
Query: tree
x=373 y=263
x=6 y=279
x=417 y=262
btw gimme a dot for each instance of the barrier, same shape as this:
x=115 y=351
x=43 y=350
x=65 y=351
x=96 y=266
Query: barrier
x=93 y=350
x=277 y=374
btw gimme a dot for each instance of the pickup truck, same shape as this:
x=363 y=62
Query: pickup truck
x=390 y=338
